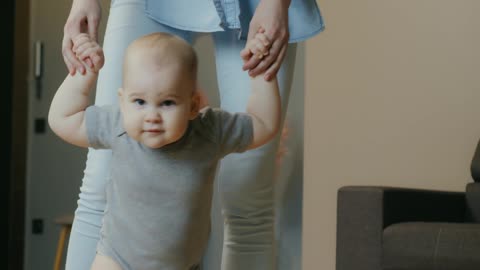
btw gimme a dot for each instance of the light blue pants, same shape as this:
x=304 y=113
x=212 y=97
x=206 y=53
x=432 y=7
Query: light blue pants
x=242 y=236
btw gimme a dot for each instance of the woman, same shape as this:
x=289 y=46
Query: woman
x=245 y=181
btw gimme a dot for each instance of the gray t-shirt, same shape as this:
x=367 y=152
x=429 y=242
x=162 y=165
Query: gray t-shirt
x=158 y=200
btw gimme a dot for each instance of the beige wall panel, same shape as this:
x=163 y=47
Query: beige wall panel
x=392 y=98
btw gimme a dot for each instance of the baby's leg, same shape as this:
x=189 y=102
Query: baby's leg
x=104 y=263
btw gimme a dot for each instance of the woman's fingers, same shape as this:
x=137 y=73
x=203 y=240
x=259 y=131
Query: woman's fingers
x=251 y=63
x=265 y=63
x=245 y=54
x=73 y=64
x=93 y=22
x=275 y=67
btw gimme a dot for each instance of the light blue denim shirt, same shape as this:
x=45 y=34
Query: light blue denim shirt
x=304 y=19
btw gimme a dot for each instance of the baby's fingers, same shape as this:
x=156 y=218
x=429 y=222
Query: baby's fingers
x=95 y=54
x=83 y=47
x=86 y=52
x=263 y=39
x=80 y=40
x=98 y=60
x=262 y=49
x=258 y=50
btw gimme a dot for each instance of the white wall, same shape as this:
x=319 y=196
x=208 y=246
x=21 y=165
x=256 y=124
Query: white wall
x=392 y=98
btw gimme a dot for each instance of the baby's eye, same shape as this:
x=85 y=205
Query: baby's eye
x=168 y=103
x=139 y=101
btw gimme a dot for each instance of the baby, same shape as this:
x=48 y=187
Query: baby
x=165 y=150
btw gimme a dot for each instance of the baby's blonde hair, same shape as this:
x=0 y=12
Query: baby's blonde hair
x=164 y=51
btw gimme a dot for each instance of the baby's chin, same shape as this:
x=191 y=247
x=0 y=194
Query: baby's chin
x=155 y=143
x=148 y=142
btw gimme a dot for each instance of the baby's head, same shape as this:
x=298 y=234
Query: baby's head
x=159 y=94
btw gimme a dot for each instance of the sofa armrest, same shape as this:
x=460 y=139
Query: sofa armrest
x=364 y=211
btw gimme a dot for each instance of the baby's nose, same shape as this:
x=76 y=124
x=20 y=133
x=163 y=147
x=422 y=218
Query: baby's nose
x=153 y=117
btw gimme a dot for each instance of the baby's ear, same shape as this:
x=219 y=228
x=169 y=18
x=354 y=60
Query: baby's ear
x=195 y=105
x=203 y=99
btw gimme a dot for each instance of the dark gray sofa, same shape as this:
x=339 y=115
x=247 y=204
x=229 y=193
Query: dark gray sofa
x=390 y=228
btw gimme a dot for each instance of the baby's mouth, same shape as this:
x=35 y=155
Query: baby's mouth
x=153 y=130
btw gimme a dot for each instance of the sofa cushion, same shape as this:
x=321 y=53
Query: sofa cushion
x=431 y=246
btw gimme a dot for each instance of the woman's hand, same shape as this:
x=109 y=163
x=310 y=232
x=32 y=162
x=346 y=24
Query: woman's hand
x=271 y=15
x=84 y=17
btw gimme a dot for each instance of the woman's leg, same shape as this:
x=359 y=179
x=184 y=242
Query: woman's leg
x=245 y=181
x=127 y=21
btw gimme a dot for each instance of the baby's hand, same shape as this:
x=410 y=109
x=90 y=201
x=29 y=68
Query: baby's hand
x=88 y=51
x=257 y=47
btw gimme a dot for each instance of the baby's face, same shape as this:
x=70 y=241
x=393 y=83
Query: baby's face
x=157 y=106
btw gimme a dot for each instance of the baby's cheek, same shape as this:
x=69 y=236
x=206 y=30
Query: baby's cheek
x=132 y=127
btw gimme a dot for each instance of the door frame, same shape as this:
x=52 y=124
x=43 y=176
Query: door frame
x=15 y=23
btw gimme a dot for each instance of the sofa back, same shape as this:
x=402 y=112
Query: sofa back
x=473 y=189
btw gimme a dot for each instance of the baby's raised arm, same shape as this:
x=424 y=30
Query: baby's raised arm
x=264 y=102
x=67 y=110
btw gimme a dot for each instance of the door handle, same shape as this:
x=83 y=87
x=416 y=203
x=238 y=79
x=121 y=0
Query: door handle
x=38 y=68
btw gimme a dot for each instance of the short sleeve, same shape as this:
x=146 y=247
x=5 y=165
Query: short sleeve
x=233 y=132
x=102 y=125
